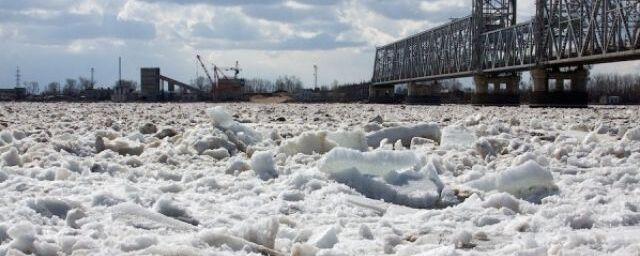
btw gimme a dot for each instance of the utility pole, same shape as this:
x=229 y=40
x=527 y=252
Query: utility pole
x=17 y=76
x=119 y=71
x=315 y=75
x=91 y=78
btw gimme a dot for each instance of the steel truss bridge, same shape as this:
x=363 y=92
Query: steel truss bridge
x=563 y=33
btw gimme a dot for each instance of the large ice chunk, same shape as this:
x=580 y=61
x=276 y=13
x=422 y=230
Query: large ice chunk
x=633 y=134
x=139 y=217
x=350 y=139
x=307 y=143
x=23 y=236
x=11 y=157
x=51 y=206
x=170 y=208
x=224 y=121
x=121 y=146
x=385 y=175
x=374 y=163
x=404 y=134
x=220 y=238
x=3 y=176
x=264 y=165
x=325 y=239
x=528 y=181
x=457 y=137
x=261 y=232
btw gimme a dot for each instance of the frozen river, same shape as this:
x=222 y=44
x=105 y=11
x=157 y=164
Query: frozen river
x=342 y=179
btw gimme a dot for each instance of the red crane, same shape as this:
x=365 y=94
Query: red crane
x=207 y=72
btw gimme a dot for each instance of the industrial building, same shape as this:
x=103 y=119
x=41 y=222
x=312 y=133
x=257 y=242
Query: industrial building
x=12 y=94
x=152 y=87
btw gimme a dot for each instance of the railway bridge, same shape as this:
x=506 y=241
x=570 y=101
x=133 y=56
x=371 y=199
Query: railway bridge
x=490 y=46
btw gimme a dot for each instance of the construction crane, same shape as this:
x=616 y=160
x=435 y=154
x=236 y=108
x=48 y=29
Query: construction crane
x=224 y=87
x=207 y=73
x=235 y=69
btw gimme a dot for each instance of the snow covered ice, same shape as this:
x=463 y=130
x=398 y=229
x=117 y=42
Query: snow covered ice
x=226 y=179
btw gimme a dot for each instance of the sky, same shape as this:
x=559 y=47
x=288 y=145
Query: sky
x=51 y=40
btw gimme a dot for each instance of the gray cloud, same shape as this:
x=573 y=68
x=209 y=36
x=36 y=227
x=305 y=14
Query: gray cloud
x=83 y=27
x=53 y=39
x=411 y=10
x=218 y=2
x=282 y=13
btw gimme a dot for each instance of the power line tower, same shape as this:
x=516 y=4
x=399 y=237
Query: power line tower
x=18 y=76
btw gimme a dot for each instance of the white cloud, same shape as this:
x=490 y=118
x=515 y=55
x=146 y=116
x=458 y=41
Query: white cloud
x=269 y=37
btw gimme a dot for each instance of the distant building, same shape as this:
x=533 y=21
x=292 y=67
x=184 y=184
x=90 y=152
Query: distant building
x=229 y=89
x=610 y=100
x=13 y=94
x=96 y=94
x=123 y=93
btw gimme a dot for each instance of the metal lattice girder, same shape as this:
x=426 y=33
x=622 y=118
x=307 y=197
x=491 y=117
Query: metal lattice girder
x=443 y=50
x=564 y=32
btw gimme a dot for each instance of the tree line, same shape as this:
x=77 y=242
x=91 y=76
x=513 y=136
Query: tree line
x=627 y=87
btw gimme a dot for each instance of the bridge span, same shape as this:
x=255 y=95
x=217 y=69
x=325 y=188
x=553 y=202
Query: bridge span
x=491 y=47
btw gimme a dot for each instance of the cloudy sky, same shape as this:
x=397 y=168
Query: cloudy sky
x=56 y=39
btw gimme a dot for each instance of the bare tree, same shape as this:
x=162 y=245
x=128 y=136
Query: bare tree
x=258 y=85
x=627 y=87
x=70 y=87
x=85 y=83
x=290 y=84
x=32 y=87
x=52 y=88
x=201 y=83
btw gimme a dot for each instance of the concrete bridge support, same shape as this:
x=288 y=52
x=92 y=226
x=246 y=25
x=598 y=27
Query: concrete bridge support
x=381 y=93
x=574 y=96
x=424 y=93
x=499 y=96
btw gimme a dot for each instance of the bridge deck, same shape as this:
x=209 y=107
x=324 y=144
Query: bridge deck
x=564 y=33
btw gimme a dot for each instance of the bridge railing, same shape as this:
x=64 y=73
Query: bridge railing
x=442 y=51
x=591 y=31
x=564 y=32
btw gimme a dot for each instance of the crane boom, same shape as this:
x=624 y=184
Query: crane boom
x=206 y=72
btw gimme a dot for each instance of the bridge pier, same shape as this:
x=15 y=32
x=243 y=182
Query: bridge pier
x=574 y=96
x=507 y=96
x=381 y=93
x=424 y=93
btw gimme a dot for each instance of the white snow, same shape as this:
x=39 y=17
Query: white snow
x=355 y=139
x=502 y=200
x=11 y=157
x=457 y=137
x=329 y=179
x=137 y=216
x=386 y=175
x=529 y=181
x=23 y=236
x=374 y=163
x=404 y=134
x=3 y=176
x=263 y=232
x=325 y=238
x=122 y=146
x=138 y=243
x=224 y=121
x=633 y=134
x=307 y=143
x=170 y=208
x=264 y=165
x=49 y=207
